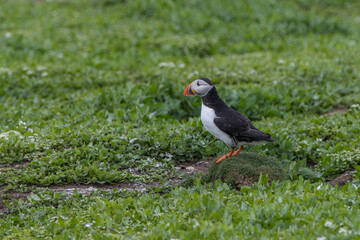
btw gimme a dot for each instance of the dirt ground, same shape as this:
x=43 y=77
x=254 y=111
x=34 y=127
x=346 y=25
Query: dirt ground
x=342 y=110
x=343 y=178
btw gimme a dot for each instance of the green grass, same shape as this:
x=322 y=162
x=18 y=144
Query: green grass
x=91 y=92
x=294 y=210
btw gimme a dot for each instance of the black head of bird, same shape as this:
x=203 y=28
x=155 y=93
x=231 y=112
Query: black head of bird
x=226 y=124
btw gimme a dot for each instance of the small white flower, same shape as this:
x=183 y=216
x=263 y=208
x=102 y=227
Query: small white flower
x=281 y=61
x=344 y=230
x=8 y=34
x=151 y=114
x=329 y=224
x=167 y=64
x=158 y=165
x=5 y=70
x=191 y=75
x=252 y=72
x=40 y=68
x=6 y=134
x=321 y=238
x=352 y=42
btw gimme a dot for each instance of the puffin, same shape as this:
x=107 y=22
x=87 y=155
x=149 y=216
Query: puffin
x=226 y=124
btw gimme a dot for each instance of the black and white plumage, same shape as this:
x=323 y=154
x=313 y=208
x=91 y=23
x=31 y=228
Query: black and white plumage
x=226 y=124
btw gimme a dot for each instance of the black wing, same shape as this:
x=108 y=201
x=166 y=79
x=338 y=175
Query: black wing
x=240 y=127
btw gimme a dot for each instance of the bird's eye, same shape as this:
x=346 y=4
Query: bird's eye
x=197 y=83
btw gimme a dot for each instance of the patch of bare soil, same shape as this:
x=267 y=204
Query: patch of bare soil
x=84 y=189
x=188 y=168
x=18 y=165
x=192 y=168
x=89 y=188
x=10 y=195
x=343 y=178
x=336 y=110
x=311 y=165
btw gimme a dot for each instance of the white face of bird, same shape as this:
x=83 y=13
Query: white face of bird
x=199 y=87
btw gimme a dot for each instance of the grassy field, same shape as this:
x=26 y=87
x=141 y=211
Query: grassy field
x=91 y=93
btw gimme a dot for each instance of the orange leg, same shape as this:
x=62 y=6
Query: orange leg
x=238 y=151
x=226 y=156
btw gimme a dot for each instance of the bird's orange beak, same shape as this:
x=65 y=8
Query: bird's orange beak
x=188 y=91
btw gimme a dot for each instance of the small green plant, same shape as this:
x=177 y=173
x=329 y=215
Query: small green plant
x=339 y=162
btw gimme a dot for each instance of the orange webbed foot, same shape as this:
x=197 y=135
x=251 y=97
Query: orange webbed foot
x=225 y=156
x=238 y=151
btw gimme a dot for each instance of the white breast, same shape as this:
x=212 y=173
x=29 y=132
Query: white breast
x=207 y=118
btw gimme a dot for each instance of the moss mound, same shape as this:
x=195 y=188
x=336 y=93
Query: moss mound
x=245 y=169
